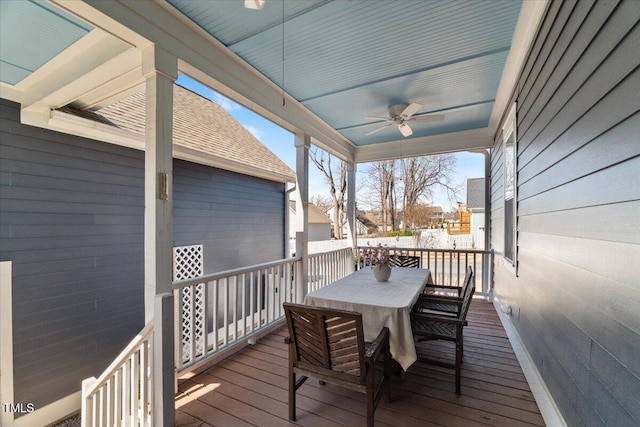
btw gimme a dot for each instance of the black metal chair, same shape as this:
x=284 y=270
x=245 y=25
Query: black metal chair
x=329 y=345
x=444 y=325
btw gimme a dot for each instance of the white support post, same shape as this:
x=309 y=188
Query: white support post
x=163 y=363
x=302 y=143
x=488 y=265
x=351 y=204
x=160 y=71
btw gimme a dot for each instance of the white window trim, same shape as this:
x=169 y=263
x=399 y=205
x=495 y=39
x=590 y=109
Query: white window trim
x=509 y=129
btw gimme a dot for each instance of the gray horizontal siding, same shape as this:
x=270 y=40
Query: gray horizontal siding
x=238 y=219
x=72 y=223
x=577 y=291
x=77 y=277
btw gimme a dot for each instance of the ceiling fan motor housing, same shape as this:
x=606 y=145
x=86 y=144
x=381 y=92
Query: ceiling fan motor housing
x=395 y=111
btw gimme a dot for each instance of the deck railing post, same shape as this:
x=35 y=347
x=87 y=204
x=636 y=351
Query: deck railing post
x=86 y=419
x=163 y=364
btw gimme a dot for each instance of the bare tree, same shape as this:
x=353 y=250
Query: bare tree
x=382 y=178
x=415 y=179
x=336 y=176
x=420 y=175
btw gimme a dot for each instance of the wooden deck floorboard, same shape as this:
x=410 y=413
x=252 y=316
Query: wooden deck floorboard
x=250 y=388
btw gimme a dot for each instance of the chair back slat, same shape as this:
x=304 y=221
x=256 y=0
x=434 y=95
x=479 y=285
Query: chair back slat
x=329 y=341
x=468 y=291
x=405 y=261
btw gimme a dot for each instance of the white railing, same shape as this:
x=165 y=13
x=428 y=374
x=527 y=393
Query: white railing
x=448 y=265
x=123 y=394
x=327 y=267
x=126 y=393
x=234 y=305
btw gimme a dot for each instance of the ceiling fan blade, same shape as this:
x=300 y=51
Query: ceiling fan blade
x=410 y=110
x=377 y=118
x=254 y=4
x=405 y=130
x=378 y=130
x=427 y=118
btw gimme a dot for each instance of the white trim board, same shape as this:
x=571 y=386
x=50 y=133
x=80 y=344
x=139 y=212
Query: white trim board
x=6 y=342
x=53 y=412
x=548 y=408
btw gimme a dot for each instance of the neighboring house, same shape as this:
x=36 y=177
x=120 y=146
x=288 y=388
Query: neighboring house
x=437 y=215
x=319 y=223
x=72 y=214
x=475 y=205
x=363 y=225
x=376 y=218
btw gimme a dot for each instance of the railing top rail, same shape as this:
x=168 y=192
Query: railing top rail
x=319 y=254
x=234 y=272
x=471 y=251
x=131 y=348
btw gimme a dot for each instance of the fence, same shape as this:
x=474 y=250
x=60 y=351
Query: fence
x=123 y=394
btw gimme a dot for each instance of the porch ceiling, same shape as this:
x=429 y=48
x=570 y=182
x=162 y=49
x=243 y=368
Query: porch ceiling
x=343 y=61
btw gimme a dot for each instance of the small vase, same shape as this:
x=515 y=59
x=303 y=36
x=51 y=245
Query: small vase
x=382 y=272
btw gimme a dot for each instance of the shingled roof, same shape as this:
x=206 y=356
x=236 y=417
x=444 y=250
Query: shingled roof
x=316 y=216
x=202 y=125
x=475 y=193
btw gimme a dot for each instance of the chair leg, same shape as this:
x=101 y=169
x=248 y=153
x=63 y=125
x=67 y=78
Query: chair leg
x=458 y=362
x=292 y=395
x=389 y=365
x=370 y=396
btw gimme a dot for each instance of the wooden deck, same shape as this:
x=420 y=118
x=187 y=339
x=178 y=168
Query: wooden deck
x=250 y=388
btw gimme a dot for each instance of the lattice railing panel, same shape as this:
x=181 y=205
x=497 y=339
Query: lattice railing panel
x=187 y=264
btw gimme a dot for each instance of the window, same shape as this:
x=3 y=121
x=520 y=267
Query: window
x=510 y=200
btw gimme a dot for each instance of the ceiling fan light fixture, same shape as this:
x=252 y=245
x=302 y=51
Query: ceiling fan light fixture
x=405 y=130
x=254 y=4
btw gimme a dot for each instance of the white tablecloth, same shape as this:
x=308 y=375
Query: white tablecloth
x=381 y=304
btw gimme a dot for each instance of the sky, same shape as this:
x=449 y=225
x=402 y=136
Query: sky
x=281 y=143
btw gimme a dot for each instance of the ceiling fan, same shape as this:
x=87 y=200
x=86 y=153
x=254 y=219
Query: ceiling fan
x=400 y=114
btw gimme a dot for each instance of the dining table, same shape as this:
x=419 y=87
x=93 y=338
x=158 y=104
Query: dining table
x=380 y=303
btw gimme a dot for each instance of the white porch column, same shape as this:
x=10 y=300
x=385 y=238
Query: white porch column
x=351 y=204
x=160 y=70
x=302 y=143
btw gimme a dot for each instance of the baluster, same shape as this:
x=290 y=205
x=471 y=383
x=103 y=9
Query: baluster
x=205 y=319
x=216 y=326
x=127 y=397
x=192 y=325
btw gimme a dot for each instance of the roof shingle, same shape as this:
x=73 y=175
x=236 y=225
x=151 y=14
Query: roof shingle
x=201 y=125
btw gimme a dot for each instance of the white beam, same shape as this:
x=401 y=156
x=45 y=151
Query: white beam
x=431 y=145
x=529 y=21
x=10 y=92
x=208 y=61
x=58 y=78
x=160 y=71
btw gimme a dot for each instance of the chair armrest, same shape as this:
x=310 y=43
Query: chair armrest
x=457 y=289
x=440 y=299
x=375 y=347
x=438 y=318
